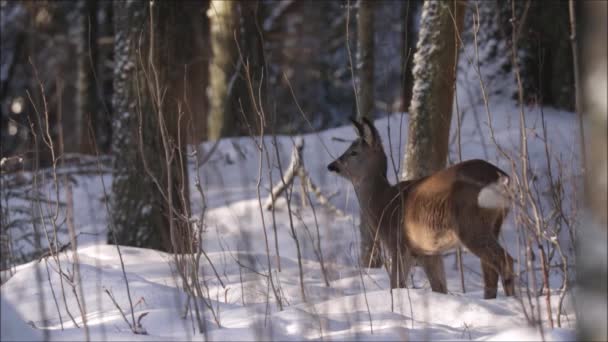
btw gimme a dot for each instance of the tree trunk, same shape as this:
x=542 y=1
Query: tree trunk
x=86 y=89
x=592 y=259
x=365 y=58
x=236 y=69
x=252 y=49
x=546 y=57
x=105 y=77
x=150 y=203
x=223 y=111
x=408 y=41
x=432 y=97
x=365 y=75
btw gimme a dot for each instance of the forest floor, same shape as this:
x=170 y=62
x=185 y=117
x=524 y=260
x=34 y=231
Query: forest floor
x=355 y=303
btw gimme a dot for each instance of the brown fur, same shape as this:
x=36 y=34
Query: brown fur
x=425 y=217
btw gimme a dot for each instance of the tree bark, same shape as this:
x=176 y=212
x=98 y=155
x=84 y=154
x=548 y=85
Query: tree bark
x=592 y=259
x=236 y=70
x=546 y=57
x=365 y=58
x=432 y=97
x=223 y=111
x=86 y=87
x=150 y=203
x=408 y=41
x=365 y=81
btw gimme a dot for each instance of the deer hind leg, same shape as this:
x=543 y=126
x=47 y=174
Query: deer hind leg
x=490 y=273
x=490 y=280
x=433 y=268
x=508 y=281
x=494 y=259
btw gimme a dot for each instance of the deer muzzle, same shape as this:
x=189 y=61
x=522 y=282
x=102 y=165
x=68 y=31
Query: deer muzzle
x=333 y=167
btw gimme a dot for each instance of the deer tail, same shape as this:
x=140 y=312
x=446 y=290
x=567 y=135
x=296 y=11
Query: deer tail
x=495 y=195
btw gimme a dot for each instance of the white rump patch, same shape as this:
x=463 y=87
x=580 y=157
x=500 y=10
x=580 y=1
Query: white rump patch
x=494 y=195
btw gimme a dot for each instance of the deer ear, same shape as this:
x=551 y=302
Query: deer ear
x=370 y=133
x=358 y=126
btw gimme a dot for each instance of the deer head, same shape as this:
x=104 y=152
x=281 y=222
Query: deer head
x=364 y=158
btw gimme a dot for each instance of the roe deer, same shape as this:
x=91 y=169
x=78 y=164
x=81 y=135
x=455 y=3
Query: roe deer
x=463 y=204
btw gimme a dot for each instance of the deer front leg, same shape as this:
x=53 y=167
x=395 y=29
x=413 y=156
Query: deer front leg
x=394 y=271
x=433 y=267
x=400 y=269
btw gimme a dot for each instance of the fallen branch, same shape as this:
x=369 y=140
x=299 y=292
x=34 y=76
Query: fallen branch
x=295 y=169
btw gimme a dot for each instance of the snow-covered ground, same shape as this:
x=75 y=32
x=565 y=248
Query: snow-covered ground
x=357 y=304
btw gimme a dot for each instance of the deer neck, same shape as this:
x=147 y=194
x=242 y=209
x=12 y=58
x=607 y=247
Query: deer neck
x=376 y=196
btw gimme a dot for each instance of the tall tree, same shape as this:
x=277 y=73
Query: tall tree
x=546 y=56
x=434 y=71
x=224 y=23
x=592 y=258
x=365 y=58
x=434 y=74
x=408 y=41
x=236 y=68
x=365 y=76
x=86 y=89
x=150 y=203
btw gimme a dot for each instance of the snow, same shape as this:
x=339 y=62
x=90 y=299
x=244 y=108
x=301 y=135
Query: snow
x=357 y=304
x=14 y=327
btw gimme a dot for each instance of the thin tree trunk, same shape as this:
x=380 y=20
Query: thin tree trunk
x=430 y=110
x=592 y=259
x=408 y=41
x=223 y=111
x=104 y=78
x=365 y=75
x=365 y=58
x=86 y=87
